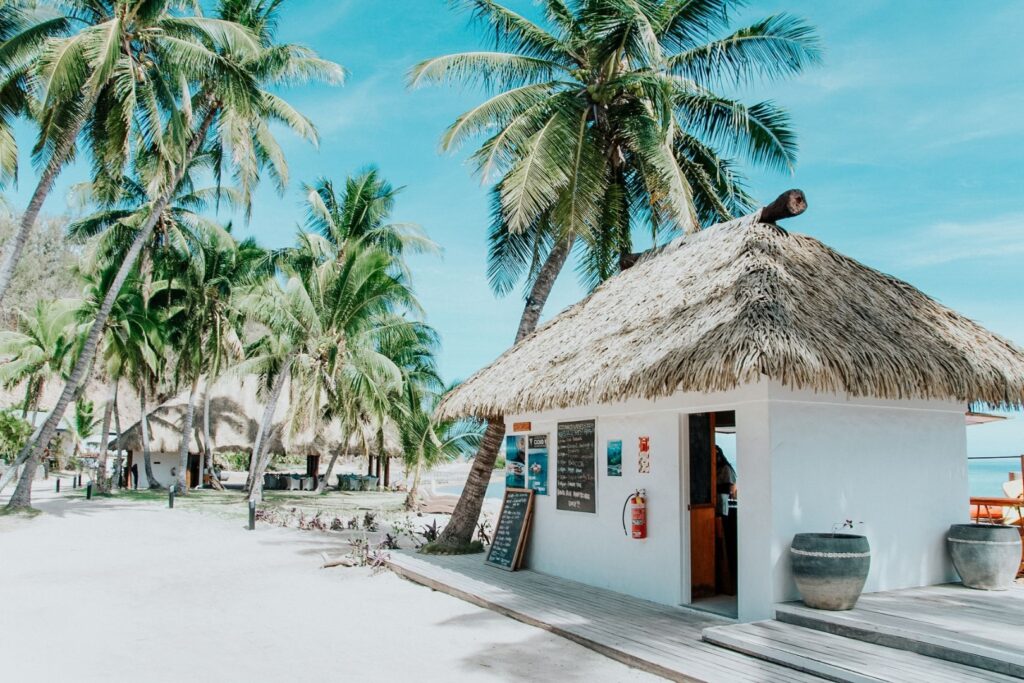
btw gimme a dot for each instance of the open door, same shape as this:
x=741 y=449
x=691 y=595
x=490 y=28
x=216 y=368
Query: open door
x=713 y=510
x=702 y=506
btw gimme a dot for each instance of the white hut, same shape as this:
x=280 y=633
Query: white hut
x=837 y=391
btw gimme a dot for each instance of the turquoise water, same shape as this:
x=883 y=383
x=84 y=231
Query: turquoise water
x=986 y=477
x=496 y=489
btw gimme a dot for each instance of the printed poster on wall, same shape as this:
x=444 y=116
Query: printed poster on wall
x=515 y=462
x=644 y=457
x=614 y=458
x=576 y=469
x=537 y=464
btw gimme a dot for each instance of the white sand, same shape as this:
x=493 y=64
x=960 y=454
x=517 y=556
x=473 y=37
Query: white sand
x=115 y=591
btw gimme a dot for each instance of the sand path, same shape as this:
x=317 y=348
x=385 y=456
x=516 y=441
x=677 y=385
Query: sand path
x=116 y=591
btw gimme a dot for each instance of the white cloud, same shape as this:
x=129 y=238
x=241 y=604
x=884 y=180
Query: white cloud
x=951 y=241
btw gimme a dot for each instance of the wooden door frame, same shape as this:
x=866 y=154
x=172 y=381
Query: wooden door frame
x=691 y=508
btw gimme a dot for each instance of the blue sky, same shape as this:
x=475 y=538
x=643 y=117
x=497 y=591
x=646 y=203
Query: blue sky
x=910 y=136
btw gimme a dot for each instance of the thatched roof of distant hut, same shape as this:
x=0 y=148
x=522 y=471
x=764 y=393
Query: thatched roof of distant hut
x=740 y=301
x=236 y=408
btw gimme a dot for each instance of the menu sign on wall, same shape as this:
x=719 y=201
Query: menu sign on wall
x=576 y=471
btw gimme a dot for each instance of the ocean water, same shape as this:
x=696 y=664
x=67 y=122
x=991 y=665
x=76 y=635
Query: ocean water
x=986 y=477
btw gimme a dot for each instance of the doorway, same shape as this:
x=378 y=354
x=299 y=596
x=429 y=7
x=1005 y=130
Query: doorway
x=713 y=509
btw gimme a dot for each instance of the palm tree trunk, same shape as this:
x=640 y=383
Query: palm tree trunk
x=117 y=435
x=382 y=458
x=207 y=444
x=147 y=456
x=186 y=435
x=414 y=488
x=256 y=465
x=467 y=511
x=16 y=246
x=322 y=485
x=101 y=461
x=84 y=362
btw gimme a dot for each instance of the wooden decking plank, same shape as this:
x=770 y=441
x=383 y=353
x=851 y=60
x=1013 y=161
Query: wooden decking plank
x=888 y=663
x=657 y=638
x=841 y=659
x=953 y=642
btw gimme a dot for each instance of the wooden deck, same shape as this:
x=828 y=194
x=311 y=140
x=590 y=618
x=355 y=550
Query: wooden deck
x=656 y=638
x=842 y=659
x=984 y=629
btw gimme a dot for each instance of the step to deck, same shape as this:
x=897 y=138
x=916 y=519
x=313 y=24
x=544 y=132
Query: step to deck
x=956 y=642
x=836 y=658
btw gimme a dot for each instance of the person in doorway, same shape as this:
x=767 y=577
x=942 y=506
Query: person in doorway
x=726 y=476
x=135 y=476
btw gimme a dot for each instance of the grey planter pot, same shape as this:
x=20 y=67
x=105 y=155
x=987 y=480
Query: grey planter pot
x=830 y=569
x=986 y=556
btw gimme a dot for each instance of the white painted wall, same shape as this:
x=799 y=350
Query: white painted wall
x=162 y=464
x=804 y=461
x=901 y=468
x=592 y=547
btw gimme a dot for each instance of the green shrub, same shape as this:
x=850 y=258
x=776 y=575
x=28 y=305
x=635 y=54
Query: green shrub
x=499 y=462
x=13 y=433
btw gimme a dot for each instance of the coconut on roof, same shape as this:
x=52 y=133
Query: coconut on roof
x=737 y=302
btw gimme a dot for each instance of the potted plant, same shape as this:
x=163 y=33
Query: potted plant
x=830 y=569
x=986 y=556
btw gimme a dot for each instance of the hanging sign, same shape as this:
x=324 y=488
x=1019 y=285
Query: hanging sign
x=511 y=530
x=537 y=464
x=522 y=426
x=515 y=462
x=576 y=471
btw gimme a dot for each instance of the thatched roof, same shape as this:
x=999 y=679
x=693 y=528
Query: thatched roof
x=236 y=408
x=740 y=301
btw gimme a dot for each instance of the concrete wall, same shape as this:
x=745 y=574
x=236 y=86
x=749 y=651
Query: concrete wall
x=162 y=464
x=804 y=462
x=899 y=468
x=592 y=547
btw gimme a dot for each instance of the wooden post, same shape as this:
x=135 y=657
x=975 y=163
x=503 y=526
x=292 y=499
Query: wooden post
x=252 y=515
x=88 y=491
x=58 y=484
x=170 y=496
x=788 y=204
x=387 y=471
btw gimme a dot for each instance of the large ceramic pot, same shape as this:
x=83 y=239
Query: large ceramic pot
x=986 y=556
x=830 y=569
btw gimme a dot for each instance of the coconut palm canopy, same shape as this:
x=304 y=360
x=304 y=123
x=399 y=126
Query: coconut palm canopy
x=235 y=411
x=736 y=302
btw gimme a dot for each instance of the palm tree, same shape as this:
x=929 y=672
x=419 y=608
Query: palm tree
x=428 y=441
x=606 y=119
x=39 y=350
x=82 y=424
x=230 y=91
x=129 y=350
x=362 y=211
x=115 y=71
x=325 y=326
x=203 y=326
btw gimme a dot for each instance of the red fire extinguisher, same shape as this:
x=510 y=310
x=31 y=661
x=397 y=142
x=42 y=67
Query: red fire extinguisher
x=637 y=504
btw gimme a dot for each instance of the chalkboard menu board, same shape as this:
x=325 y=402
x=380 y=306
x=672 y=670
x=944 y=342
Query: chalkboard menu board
x=576 y=472
x=511 y=531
